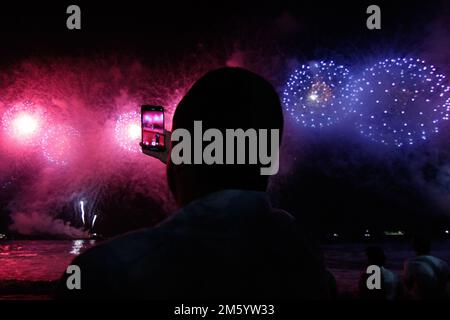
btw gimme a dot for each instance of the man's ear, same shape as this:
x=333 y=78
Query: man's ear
x=171 y=181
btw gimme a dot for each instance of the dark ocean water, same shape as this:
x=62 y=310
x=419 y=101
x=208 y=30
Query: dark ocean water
x=29 y=269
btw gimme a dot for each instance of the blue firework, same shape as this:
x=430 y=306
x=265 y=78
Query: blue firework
x=401 y=101
x=318 y=94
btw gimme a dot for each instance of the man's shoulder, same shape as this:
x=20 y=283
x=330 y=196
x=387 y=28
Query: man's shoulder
x=122 y=250
x=110 y=266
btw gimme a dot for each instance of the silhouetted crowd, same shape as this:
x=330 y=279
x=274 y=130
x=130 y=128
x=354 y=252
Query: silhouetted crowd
x=424 y=276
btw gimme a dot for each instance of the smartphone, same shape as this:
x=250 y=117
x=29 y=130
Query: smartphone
x=152 y=126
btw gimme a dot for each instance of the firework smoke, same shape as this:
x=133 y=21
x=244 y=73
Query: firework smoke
x=70 y=131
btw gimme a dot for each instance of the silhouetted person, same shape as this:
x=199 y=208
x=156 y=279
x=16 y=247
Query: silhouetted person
x=226 y=241
x=426 y=276
x=391 y=286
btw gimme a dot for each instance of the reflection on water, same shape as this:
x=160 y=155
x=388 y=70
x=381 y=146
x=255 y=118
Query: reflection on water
x=76 y=247
x=38 y=260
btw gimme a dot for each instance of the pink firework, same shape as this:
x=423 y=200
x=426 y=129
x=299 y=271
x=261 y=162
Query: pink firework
x=24 y=123
x=59 y=144
x=128 y=131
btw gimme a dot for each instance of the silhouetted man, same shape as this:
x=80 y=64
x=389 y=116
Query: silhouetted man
x=226 y=241
x=426 y=276
x=391 y=286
